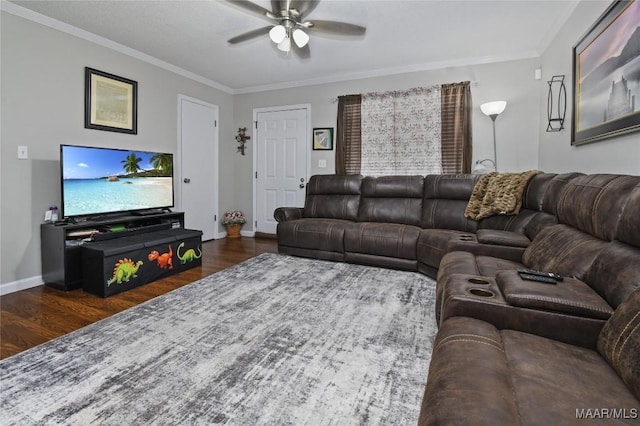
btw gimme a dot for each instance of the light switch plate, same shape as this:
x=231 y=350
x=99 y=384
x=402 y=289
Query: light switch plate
x=23 y=152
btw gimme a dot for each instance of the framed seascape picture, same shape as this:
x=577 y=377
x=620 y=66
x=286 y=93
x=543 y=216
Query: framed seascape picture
x=606 y=76
x=110 y=103
x=323 y=138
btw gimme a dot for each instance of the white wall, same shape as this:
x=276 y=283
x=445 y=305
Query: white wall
x=517 y=129
x=42 y=107
x=616 y=155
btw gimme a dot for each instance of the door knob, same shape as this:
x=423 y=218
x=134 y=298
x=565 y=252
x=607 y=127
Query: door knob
x=187 y=180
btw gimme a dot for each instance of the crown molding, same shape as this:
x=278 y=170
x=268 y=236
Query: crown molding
x=41 y=19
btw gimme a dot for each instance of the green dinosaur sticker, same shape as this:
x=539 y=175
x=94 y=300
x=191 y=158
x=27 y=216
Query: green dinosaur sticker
x=124 y=270
x=189 y=255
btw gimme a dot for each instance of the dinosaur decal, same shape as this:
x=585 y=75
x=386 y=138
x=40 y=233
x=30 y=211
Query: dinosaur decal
x=164 y=259
x=189 y=255
x=124 y=270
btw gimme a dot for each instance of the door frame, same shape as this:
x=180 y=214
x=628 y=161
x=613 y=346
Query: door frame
x=256 y=111
x=216 y=160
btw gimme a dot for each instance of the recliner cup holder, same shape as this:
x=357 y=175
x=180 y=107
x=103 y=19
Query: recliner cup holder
x=480 y=281
x=465 y=237
x=481 y=292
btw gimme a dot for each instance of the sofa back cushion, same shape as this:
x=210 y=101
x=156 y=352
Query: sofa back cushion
x=393 y=199
x=629 y=226
x=554 y=189
x=615 y=273
x=333 y=197
x=563 y=249
x=594 y=203
x=619 y=342
x=445 y=200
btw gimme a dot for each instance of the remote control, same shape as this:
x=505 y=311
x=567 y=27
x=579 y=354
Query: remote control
x=537 y=278
x=553 y=275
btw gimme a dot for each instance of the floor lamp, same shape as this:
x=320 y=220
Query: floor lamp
x=493 y=110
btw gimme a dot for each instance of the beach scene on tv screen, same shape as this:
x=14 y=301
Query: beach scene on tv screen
x=105 y=180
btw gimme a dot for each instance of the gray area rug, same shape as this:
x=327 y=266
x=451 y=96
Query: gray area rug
x=276 y=340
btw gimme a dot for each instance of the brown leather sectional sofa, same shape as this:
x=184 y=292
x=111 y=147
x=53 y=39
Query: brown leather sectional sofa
x=508 y=351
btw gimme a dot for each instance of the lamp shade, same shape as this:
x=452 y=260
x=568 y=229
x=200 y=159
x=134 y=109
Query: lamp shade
x=278 y=34
x=300 y=37
x=285 y=45
x=493 y=108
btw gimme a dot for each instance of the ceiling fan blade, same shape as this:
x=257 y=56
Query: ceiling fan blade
x=249 y=35
x=253 y=8
x=334 y=27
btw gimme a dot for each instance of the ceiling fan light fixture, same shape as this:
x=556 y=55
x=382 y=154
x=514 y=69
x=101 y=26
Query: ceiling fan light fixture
x=277 y=34
x=300 y=38
x=285 y=45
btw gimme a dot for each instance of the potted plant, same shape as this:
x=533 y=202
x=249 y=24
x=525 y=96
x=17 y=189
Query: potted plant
x=233 y=221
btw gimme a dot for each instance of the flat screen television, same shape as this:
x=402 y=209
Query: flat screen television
x=98 y=181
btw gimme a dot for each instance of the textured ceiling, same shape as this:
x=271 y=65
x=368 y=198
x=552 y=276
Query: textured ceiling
x=401 y=36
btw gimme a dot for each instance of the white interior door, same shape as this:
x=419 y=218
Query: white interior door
x=282 y=162
x=198 y=152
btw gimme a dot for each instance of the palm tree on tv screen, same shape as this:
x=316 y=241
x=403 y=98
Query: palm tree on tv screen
x=131 y=163
x=163 y=163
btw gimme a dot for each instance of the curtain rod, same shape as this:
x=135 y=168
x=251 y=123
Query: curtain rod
x=471 y=83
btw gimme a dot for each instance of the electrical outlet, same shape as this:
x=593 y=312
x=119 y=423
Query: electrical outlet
x=23 y=152
x=322 y=164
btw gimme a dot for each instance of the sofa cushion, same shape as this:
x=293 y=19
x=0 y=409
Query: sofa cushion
x=619 y=342
x=382 y=239
x=594 y=203
x=554 y=190
x=615 y=272
x=629 y=226
x=333 y=197
x=444 y=202
x=393 y=199
x=564 y=250
x=317 y=234
x=485 y=376
x=461 y=262
x=569 y=296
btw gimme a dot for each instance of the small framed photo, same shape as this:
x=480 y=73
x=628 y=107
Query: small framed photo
x=110 y=102
x=323 y=139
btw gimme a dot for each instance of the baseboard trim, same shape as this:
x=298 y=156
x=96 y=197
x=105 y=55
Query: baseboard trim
x=12 y=287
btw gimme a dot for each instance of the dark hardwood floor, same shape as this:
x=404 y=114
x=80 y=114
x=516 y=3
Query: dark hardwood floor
x=37 y=315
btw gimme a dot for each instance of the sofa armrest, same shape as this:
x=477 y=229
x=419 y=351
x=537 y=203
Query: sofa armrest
x=502 y=238
x=569 y=296
x=283 y=214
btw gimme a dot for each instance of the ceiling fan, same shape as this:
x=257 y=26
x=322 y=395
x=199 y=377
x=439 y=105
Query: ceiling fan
x=289 y=23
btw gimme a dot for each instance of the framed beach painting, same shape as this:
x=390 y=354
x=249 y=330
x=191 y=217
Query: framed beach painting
x=606 y=76
x=323 y=138
x=110 y=103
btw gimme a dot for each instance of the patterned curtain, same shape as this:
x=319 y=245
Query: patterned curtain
x=401 y=132
x=418 y=131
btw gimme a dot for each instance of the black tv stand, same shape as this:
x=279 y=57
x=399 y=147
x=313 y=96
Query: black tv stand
x=61 y=244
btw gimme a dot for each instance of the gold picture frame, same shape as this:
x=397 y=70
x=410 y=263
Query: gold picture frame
x=111 y=102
